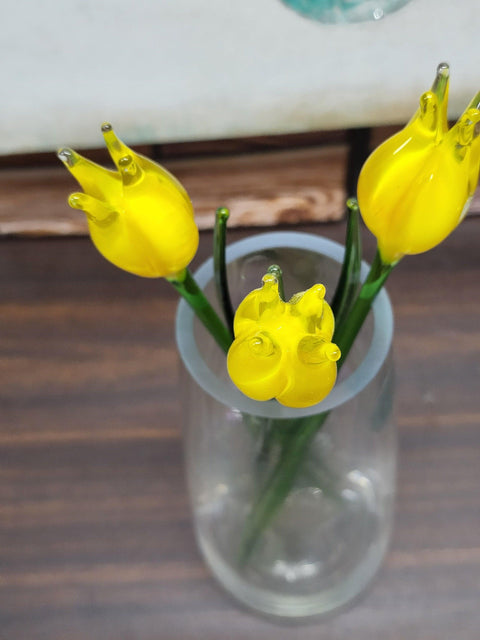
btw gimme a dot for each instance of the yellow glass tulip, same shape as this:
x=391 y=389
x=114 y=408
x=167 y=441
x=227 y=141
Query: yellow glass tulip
x=416 y=187
x=283 y=350
x=140 y=217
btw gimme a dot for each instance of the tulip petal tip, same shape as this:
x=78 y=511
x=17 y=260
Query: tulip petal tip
x=75 y=200
x=66 y=156
x=443 y=69
x=332 y=352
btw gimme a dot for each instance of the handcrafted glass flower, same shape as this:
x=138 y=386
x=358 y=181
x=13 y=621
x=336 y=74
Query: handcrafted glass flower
x=140 y=217
x=416 y=187
x=283 y=350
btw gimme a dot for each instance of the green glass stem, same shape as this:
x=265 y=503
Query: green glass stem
x=187 y=287
x=349 y=327
x=220 y=270
x=349 y=281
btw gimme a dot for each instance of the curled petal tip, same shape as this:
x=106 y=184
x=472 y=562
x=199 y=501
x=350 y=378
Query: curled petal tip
x=319 y=290
x=261 y=346
x=332 y=352
x=269 y=280
x=269 y=291
x=443 y=69
x=310 y=302
x=101 y=213
x=130 y=172
x=76 y=201
x=116 y=148
x=314 y=350
x=468 y=126
x=127 y=165
x=440 y=89
x=67 y=156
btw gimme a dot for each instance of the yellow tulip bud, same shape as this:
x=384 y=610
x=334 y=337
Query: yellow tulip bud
x=140 y=217
x=416 y=187
x=283 y=350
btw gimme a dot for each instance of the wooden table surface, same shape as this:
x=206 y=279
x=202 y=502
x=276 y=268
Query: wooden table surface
x=95 y=533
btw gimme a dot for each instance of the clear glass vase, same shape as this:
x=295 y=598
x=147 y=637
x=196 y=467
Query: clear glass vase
x=345 y=10
x=292 y=508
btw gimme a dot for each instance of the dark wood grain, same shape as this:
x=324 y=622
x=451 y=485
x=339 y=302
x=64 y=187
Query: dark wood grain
x=95 y=533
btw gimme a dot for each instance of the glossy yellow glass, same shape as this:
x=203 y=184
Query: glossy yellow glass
x=416 y=187
x=140 y=217
x=283 y=350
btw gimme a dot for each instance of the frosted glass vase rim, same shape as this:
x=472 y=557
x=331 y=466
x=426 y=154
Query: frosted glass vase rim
x=224 y=391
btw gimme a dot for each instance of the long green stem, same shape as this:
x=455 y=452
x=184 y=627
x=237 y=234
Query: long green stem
x=220 y=271
x=349 y=281
x=279 y=484
x=187 y=287
x=348 y=329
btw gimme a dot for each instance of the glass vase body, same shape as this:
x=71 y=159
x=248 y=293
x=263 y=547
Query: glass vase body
x=345 y=10
x=327 y=534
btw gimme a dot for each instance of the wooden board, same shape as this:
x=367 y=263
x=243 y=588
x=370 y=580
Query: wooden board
x=95 y=533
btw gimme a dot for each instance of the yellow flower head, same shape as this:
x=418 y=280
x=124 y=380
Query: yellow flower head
x=283 y=350
x=416 y=187
x=140 y=217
